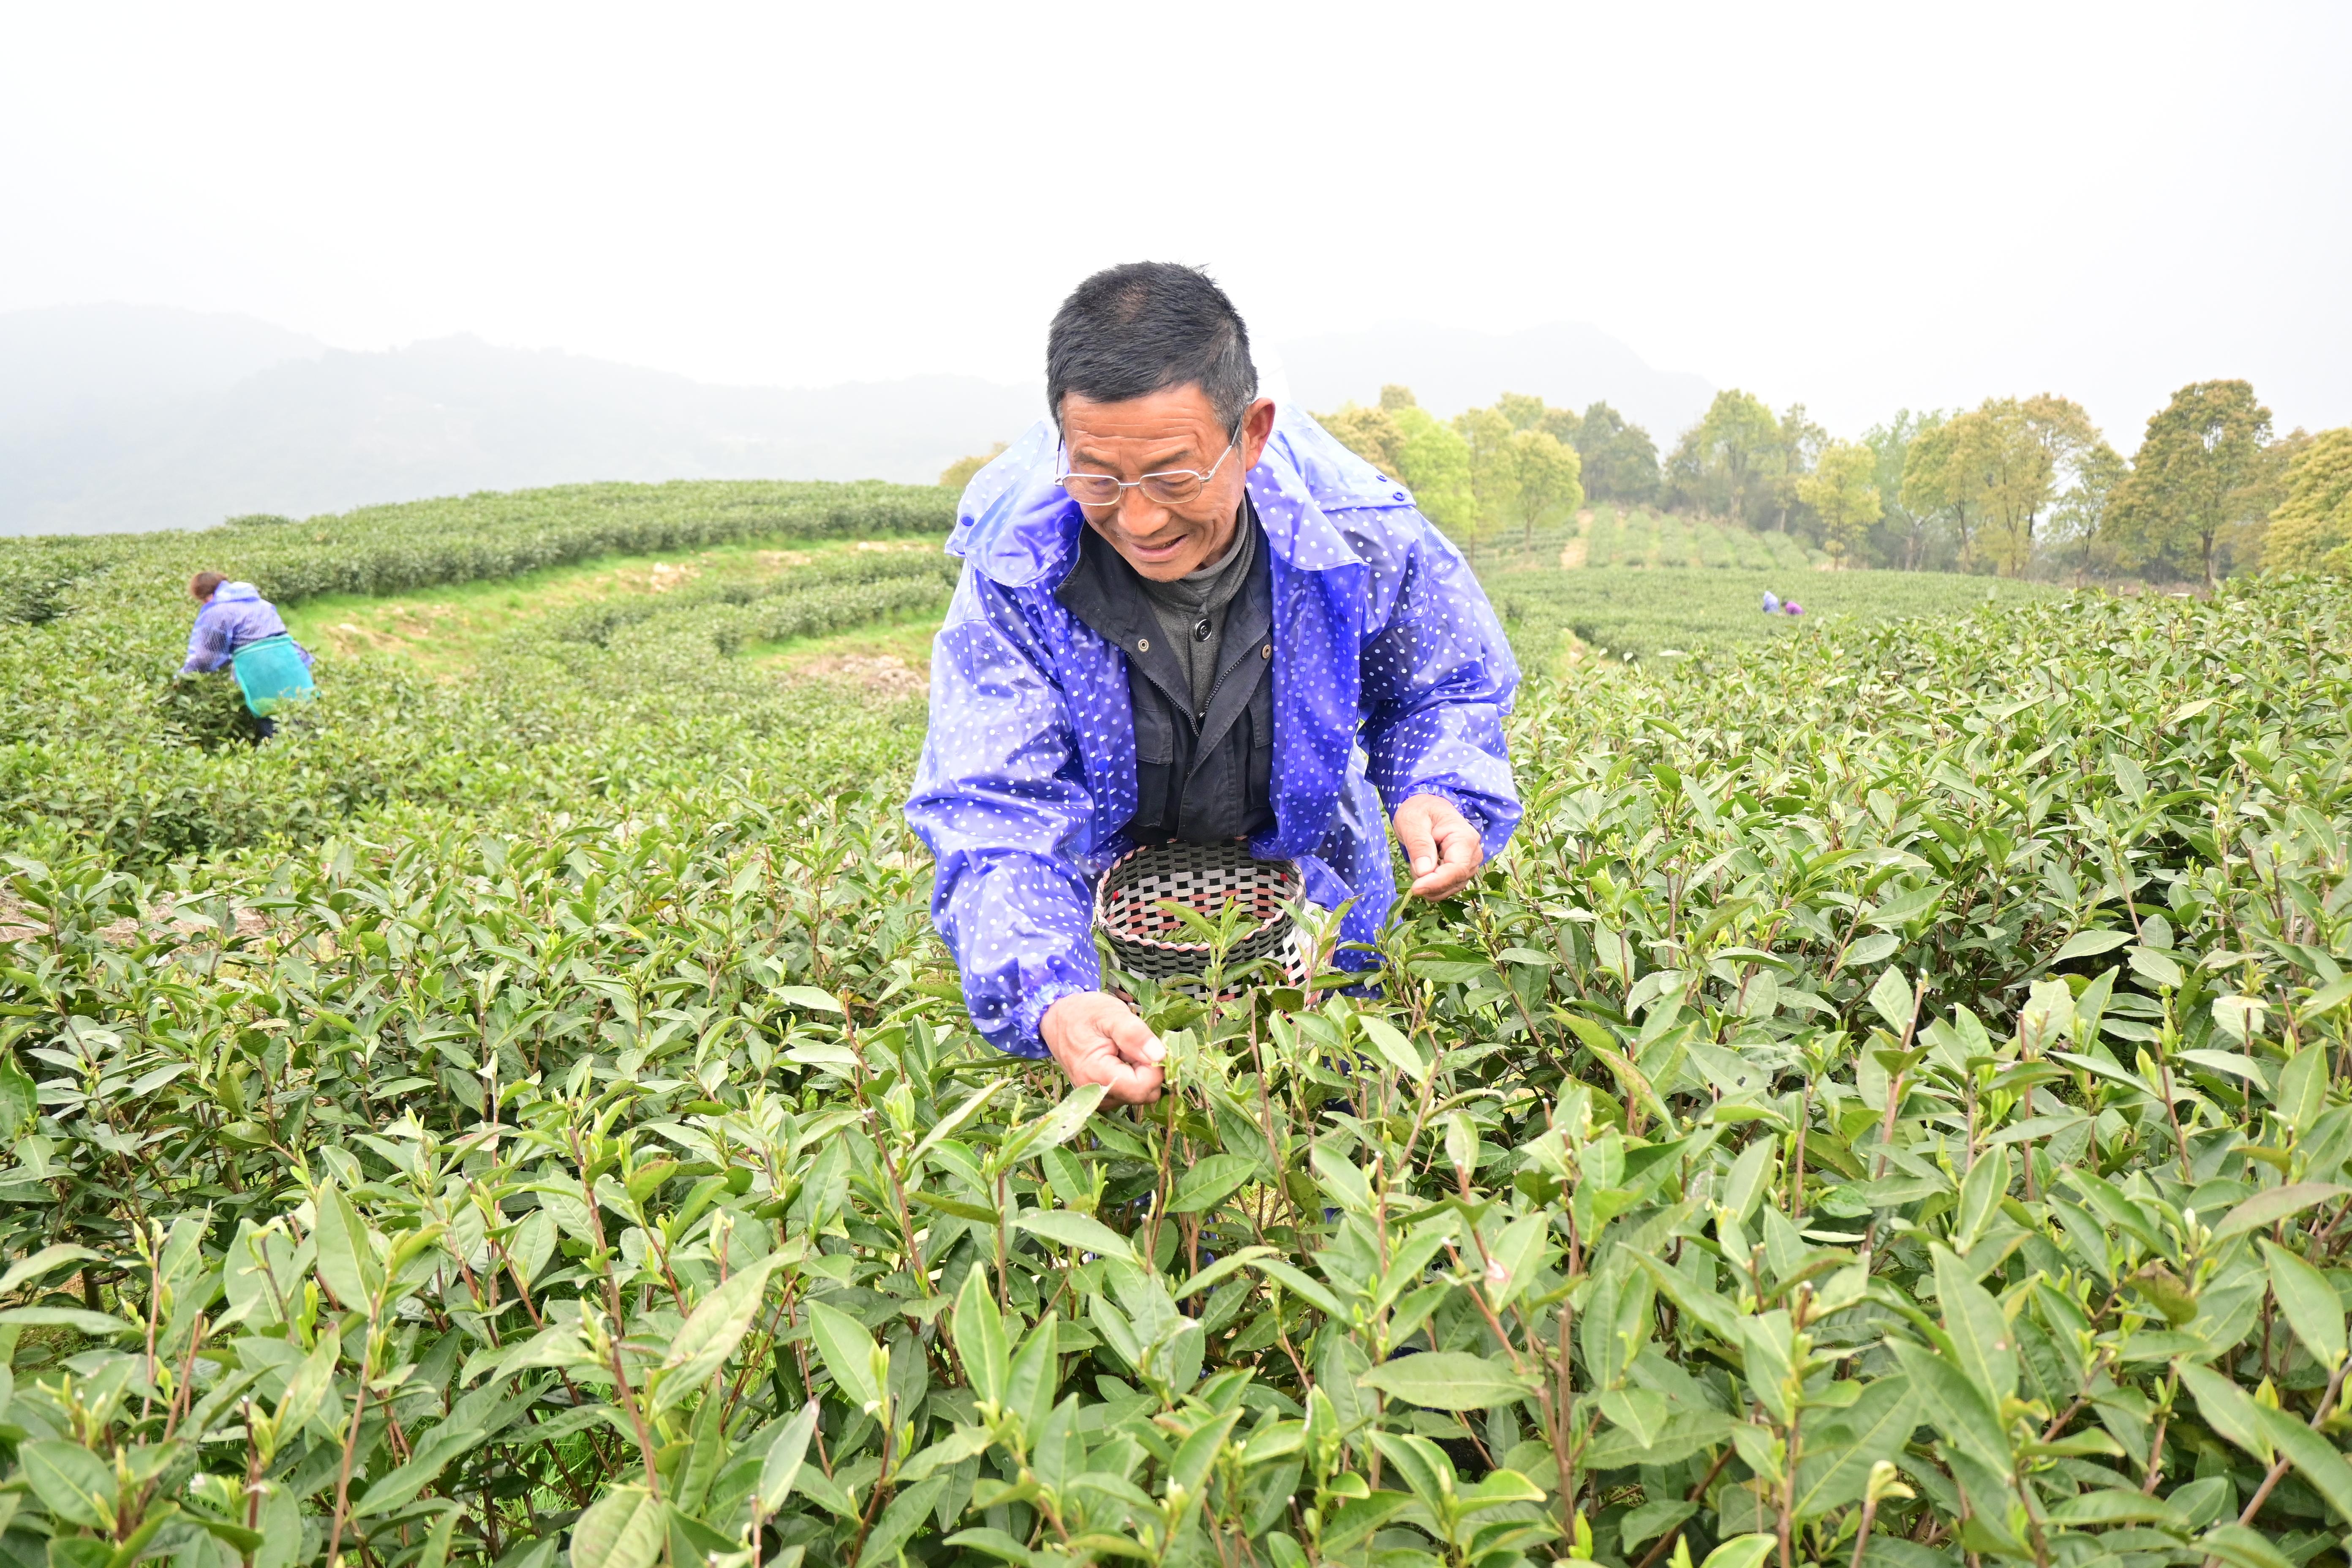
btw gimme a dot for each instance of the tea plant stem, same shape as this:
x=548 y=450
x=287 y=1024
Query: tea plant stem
x=2278 y=1470
x=1165 y=1190
x=1797 y=1153
x=1786 y=1526
x=1266 y=1121
x=629 y=1403
x=1862 y=1533
x=1563 y=1414
x=617 y=1312
x=2155 y=1441
x=2172 y=1114
x=1665 y=1544
x=184 y=1385
x=154 y=1307
x=881 y=1491
x=344 y=1475
x=1003 y=1209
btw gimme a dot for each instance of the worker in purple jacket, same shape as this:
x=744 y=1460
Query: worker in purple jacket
x=1187 y=614
x=232 y=616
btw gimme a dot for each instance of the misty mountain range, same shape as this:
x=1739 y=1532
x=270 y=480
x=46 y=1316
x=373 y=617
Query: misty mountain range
x=115 y=416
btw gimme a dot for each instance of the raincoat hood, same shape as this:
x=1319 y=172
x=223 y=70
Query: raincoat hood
x=233 y=594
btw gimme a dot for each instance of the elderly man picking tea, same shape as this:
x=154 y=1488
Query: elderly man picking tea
x=1187 y=614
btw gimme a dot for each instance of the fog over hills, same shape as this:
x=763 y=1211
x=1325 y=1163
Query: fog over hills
x=193 y=429
x=116 y=417
x=69 y=362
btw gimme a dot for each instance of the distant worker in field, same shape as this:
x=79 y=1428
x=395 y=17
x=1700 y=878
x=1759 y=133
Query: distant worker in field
x=238 y=630
x=1771 y=603
x=1187 y=618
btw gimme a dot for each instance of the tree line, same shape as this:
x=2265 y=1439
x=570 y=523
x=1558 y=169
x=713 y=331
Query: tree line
x=1519 y=463
x=2015 y=487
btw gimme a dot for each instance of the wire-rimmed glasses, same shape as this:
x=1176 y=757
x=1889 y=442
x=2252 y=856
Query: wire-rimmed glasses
x=1171 y=487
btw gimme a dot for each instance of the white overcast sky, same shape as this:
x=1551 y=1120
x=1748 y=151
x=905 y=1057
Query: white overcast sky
x=1860 y=206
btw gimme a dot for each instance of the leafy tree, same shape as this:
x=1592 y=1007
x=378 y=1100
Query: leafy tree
x=1371 y=433
x=1935 y=485
x=1527 y=412
x=958 y=473
x=2198 y=479
x=1995 y=471
x=1493 y=468
x=2006 y=473
x=1394 y=397
x=2312 y=528
x=1524 y=410
x=1903 y=534
x=1843 y=491
x=1545 y=475
x=1434 y=462
x=2078 y=519
x=1726 y=462
x=1801 y=442
x=2083 y=468
x=1619 y=460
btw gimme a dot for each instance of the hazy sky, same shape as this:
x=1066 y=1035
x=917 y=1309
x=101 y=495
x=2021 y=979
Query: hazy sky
x=1860 y=206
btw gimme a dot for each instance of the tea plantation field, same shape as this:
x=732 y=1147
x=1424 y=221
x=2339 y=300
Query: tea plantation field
x=1637 y=613
x=1640 y=536
x=1889 y=1106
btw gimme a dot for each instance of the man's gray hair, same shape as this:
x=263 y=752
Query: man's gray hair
x=1131 y=331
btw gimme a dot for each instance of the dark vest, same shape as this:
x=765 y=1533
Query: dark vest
x=1200 y=777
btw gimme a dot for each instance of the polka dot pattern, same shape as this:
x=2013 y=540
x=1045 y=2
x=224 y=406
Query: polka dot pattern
x=1391 y=678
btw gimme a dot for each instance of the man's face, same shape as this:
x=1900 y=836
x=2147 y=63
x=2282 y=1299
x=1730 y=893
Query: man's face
x=1173 y=428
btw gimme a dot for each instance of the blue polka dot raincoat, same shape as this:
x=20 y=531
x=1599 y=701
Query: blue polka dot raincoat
x=1391 y=678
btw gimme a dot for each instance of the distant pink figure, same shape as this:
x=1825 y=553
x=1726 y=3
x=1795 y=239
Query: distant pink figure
x=1790 y=607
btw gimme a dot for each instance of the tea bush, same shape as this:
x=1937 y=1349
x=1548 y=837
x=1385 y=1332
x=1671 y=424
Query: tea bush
x=1887 y=1108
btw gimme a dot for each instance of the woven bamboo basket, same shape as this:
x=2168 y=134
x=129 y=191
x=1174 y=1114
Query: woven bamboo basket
x=1151 y=943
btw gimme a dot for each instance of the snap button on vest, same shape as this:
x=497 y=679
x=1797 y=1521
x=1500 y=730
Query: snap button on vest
x=1267 y=652
x=1143 y=644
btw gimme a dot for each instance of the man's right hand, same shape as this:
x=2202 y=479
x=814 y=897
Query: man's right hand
x=1097 y=1039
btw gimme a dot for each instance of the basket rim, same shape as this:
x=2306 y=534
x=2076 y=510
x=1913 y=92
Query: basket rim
x=1280 y=919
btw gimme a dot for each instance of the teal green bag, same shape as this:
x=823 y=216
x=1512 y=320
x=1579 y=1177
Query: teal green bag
x=271 y=673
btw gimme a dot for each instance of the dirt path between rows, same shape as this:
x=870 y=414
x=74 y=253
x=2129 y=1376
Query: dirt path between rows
x=1571 y=555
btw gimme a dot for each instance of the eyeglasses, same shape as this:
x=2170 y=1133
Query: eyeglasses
x=1173 y=487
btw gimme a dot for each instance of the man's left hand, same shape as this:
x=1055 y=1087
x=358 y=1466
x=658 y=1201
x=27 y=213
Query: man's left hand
x=1440 y=845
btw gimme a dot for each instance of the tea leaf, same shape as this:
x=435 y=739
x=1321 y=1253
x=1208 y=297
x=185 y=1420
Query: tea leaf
x=2273 y=1205
x=1076 y=1231
x=1396 y=1050
x=713 y=1330
x=72 y=1483
x=848 y=1350
x=2311 y=1305
x=625 y=1528
x=1211 y=1182
x=1449 y=1379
